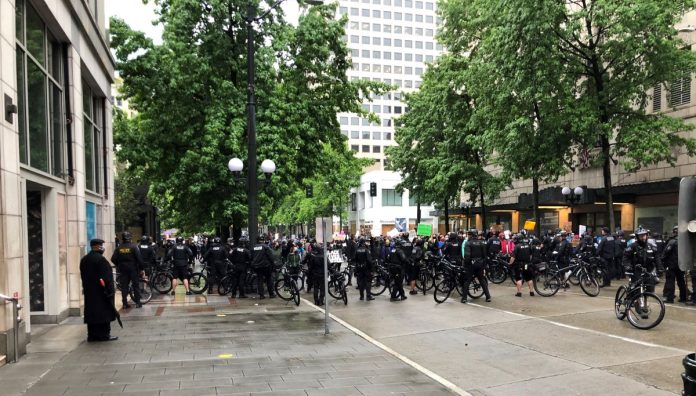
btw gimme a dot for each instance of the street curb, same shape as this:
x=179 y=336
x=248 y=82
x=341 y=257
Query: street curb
x=447 y=384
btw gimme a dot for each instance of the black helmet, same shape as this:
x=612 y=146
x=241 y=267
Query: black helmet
x=640 y=231
x=179 y=240
x=675 y=229
x=361 y=241
x=452 y=235
x=261 y=239
x=145 y=239
x=216 y=240
x=126 y=236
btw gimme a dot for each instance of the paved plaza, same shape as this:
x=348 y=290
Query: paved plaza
x=213 y=345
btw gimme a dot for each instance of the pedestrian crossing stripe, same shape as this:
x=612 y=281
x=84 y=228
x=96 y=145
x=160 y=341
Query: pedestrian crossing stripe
x=225 y=355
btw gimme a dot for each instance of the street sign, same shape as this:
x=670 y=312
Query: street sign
x=424 y=230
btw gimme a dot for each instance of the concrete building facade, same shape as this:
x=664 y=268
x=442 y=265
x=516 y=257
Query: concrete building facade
x=56 y=184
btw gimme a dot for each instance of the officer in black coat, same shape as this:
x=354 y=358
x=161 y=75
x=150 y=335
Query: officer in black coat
x=620 y=245
x=493 y=246
x=262 y=263
x=147 y=252
x=453 y=249
x=99 y=299
x=673 y=273
x=605 y=252
x=315 y=267
x=475 y=255
x=241 y=259
x=399 y=260
x=129 y=263
x=521 y=262
x=216 y=257
x=363 y=269
x=181 y=255
x=644 y=254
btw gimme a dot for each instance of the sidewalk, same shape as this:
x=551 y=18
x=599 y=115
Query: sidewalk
x=212 y=346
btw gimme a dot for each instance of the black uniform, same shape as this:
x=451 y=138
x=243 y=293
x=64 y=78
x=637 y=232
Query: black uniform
x=181 y=255
x=523 y=258
x=363 y=270
x=399 y=261
x=606 y=251
x=216 y=257
x=620 y=246
x=475 y=255
x=129 y=263
x=99 y=310
x=563 y=252
x=262 y=263
x=240 y=258
x=643 y=254
x=148 y=254
x=453 y=250
x=315 y=265
x=673 y=273
x=493 y=246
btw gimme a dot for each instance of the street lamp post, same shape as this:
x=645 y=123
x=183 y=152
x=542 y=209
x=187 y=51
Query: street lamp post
x=252 y=186
x=572 y=196
x=235 y=165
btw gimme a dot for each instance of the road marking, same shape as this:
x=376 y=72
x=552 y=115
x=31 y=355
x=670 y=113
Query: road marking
x=595 y=332
x=442 y=381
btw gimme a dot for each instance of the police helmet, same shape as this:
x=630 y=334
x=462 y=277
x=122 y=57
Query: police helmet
x=361 y=241
x=452 y=235
x=675 y=230
x=261 y=239
x=479 y=233
x=216 y=240
x=126 y=236
x=606 y=230
x=179 y=240
x=145 y=239
x=640 y=231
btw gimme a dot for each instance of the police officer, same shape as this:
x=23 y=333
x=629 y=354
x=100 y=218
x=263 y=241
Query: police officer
x=453 y=249
x=147 y=252
x=562 y=251
x=673 y=273
x=417 y=254
x=475 y=255
x=216 y=257
x=349 y=250
x=315 y=267
x=399 y=261
x=241 y=259
x=620 y=245
x=605 y=252
x=129 y=263
x=99 y=298
x=586 y=245
x=642 y=253
x=181 y=255
x=363 y=269
x=520 y=260
x=262 y=263
x=493 y=246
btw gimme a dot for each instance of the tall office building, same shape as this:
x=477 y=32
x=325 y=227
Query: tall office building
x=391 y=41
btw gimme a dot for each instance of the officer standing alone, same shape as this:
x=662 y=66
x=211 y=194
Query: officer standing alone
x=363 y=269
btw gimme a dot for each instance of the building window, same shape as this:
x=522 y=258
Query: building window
x=355 y=148
x=429 y=19
x=376 y=41
x=93 y=120
x=386 y=42
x=419 y=18
x=365 y=12
x=40 y=95
x=366 y=135
x=343 y=10
x=344 y=120
x=390 y=197
x=376 y=149
x=376 y=55
x=376 y=27
x=680 y=92
x=365 y=39
x=355 y=134
x=412 y=201
x=353 y=202
x=386 y=14
x=657 y=98
x=365 y=149
x=376 y=135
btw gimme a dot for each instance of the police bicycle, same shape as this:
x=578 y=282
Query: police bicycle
x=547 y=281
x=286 y=286
x=452 y=279
x=643 y=308
x=143 y=287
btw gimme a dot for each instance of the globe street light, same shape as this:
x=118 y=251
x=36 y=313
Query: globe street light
x=250 y=19
x=572 y=196
x=268 y=167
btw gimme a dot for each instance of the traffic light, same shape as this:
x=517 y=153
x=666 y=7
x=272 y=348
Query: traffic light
x=309 y=192
x=373 y=189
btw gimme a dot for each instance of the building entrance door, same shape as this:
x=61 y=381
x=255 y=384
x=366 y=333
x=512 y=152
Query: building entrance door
x=35 y=247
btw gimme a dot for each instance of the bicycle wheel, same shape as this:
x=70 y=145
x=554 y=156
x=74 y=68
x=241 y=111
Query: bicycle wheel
x=299 y=281
x=424 y=281
x=162 y=282
x=620 y=303
x=225 y=285
x=284 y=289
x=496 y=274
x=475 y=289
x=145 y=291
x=443 y=289
x=335 y=289
x=198 y=283
x=645 y=311
x=295 y=293
x=546 y=284
x=379 y=285
x=589 y=285
x=574 y=279
x=344 y=294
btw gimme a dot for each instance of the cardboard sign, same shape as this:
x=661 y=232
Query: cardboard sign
x=424 y=230
x=529 y=225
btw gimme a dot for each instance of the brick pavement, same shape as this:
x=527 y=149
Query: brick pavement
x=215 y=346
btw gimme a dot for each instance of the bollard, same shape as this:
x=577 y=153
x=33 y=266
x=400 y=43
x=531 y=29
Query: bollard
x=689 y=375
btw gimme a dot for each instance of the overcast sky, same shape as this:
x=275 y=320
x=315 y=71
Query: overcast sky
x=140 y=16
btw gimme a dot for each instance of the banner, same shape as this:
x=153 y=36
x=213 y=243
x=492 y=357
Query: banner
x=400 y=224
x=529 y=225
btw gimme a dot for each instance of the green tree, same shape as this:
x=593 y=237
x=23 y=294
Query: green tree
x=190 y=93
x=611 y=54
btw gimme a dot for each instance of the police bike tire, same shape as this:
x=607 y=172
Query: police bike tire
x=620 y=303
x=443 y=289
x=546 y=283
x=475 y=289
x=145 y=291
x=424 y=281
x=650 y=300
x=284 y=289
x=589 y=285
x=335 y=289
x=496 y=274
x=296 y=293
x=225 y=285
x=162 y=282
x=379 y=285
x=198 y=283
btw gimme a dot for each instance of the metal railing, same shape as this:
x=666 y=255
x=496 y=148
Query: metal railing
x=16 y=320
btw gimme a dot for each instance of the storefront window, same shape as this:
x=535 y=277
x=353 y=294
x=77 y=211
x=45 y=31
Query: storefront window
x=93 y=113
x=658 y=219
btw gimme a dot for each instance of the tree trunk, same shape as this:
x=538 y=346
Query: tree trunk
x=537 y=215
x=483 y=209
x=418 y=213
x=446 y=217
x=606 y=173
